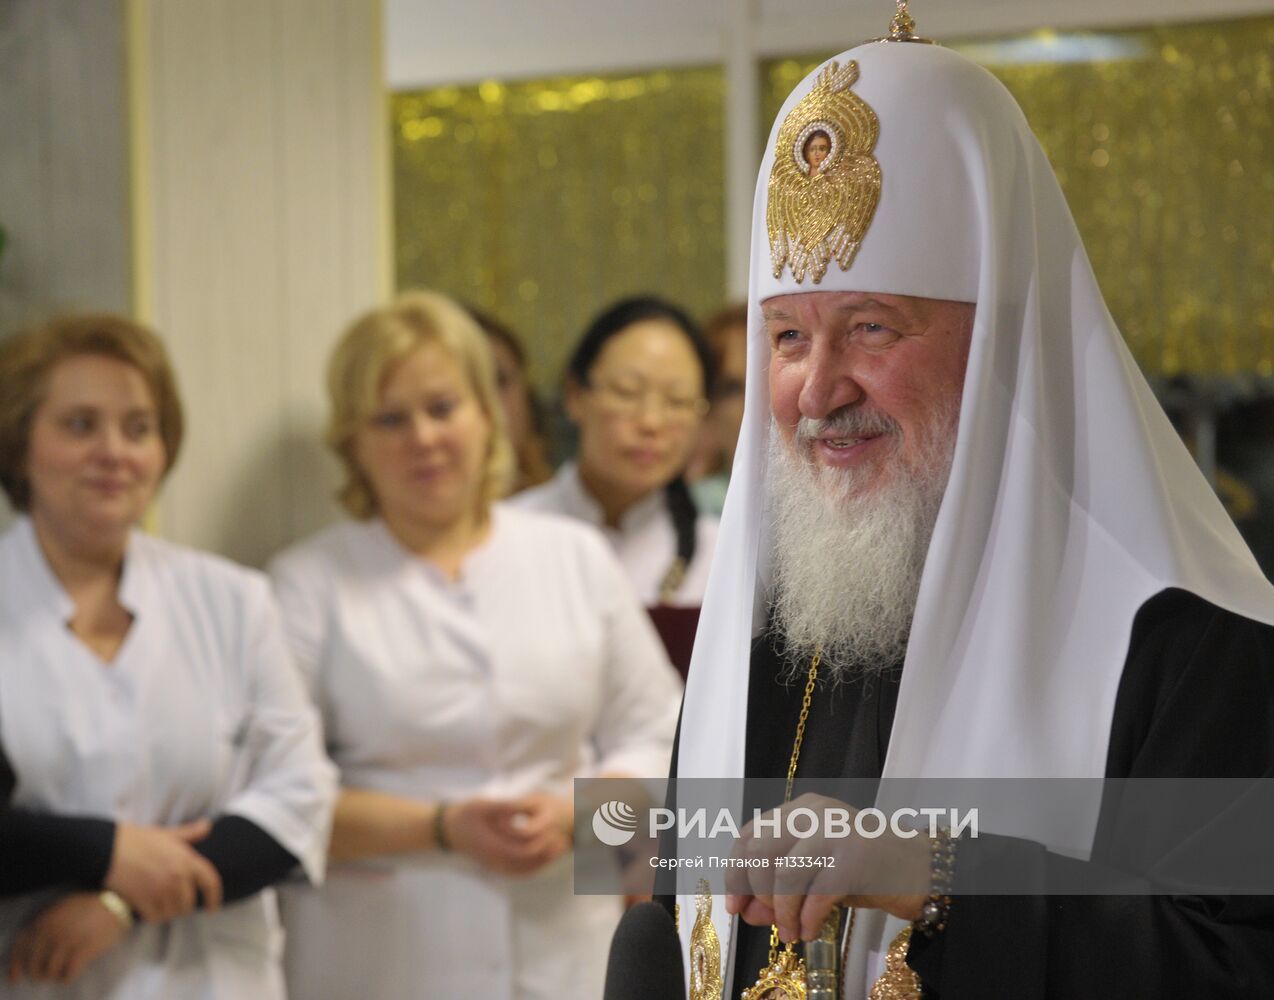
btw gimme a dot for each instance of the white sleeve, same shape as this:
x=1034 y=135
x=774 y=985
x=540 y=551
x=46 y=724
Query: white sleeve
x=299 y=591
x=641 y=691
x=290 y=786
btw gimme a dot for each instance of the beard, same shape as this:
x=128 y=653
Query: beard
x=849 y=551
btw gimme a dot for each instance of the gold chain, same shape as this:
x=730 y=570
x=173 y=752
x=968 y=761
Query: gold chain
x=806 y=700
x=800 y=723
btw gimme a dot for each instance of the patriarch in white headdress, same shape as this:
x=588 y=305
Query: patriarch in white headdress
x=984 y=490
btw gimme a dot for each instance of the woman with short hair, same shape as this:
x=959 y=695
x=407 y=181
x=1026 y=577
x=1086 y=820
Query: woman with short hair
x=470 y=660
x=160 y=757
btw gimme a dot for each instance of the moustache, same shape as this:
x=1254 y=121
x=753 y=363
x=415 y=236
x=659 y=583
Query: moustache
x=847 y=422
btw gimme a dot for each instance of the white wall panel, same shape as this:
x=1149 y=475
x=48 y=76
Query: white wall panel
x=265 y=127
x=430 y=42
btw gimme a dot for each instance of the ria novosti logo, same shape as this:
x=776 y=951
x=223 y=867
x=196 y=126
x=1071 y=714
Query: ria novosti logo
x=614 y=823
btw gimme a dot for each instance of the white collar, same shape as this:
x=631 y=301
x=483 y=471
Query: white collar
x=578 y=502
x=44 y=590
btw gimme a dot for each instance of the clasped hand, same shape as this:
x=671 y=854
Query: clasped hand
x=815 y=873
x=159 y=874
x=514 y=837
x=63 y=939
x=156 y=872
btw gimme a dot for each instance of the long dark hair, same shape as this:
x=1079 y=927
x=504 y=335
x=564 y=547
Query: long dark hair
x=609 y=323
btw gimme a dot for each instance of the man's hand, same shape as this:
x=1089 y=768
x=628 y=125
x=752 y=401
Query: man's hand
x=159 y=874
x=888 y=872
x=503 y=836
x=61 y=942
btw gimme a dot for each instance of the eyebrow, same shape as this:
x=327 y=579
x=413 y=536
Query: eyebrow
x=673 y=382
x=865 y=304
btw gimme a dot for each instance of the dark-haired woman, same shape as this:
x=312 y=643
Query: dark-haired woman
x=637 y=388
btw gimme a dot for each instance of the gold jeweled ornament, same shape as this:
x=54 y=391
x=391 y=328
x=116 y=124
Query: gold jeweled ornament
x=783 y=979
x=898 y=981
x=825 y=184
x=705 y=949
x=903 y=27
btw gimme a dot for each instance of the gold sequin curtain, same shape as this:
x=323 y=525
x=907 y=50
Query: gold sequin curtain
x=543 y=201
x=1164 y=146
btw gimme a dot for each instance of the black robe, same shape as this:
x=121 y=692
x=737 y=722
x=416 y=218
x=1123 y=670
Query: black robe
x=1195 y=700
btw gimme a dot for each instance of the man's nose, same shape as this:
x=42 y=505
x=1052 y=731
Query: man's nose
x=830 y=383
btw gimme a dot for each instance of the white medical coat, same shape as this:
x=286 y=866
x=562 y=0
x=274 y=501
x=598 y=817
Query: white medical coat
x=645 y=541
x=538 y=666
x=200 y=714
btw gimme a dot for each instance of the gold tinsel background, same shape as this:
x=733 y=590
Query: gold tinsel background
x=544 y=200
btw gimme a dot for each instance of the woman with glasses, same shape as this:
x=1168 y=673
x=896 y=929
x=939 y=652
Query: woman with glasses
x=637 y=388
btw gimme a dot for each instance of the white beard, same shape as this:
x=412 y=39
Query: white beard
x=847 y=562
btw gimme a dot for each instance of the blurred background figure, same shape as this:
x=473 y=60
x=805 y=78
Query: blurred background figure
x=470 y=659
x=523 y=415
x=162 y=758
x=637 y=388
x=709 y=472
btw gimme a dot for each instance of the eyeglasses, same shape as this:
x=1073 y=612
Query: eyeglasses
x=630 y=400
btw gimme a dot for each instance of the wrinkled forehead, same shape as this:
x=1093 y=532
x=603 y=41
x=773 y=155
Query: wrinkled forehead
x=828 y=303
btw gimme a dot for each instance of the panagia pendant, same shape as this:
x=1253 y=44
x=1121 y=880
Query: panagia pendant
x=782 y=980
x=898 y=981
x=705 y=950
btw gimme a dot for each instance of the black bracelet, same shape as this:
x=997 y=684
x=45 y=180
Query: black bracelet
x=937 y=908
x=440 y=830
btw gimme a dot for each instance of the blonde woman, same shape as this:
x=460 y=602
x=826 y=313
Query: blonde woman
x=469 y=660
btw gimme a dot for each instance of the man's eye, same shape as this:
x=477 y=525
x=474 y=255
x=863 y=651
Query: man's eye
x=876 y=333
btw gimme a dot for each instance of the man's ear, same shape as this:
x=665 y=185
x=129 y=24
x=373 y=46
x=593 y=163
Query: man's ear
x=572 y=398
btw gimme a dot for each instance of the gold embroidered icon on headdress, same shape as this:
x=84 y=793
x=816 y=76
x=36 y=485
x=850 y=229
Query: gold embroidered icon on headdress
x=705 y=950
x=825 y=183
